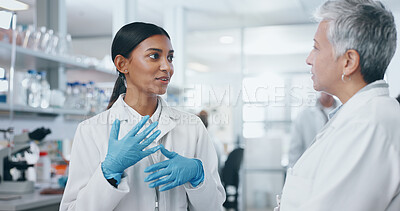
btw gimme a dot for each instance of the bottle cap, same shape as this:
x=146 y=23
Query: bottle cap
x=43 y=153
x=32 y=71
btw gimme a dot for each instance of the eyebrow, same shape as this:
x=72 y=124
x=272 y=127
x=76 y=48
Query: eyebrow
x=159 y=50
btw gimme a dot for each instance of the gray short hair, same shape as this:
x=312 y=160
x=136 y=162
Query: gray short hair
x=365 y=26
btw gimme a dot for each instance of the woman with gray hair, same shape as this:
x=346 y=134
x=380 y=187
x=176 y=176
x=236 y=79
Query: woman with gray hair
x=354 y=161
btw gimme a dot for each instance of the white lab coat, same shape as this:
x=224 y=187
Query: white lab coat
x=181 y=132
x=354 y=163
x=306 y=125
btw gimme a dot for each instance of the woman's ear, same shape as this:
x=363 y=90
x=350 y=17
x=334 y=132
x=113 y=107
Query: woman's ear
x=121 y=63
x=352 y=63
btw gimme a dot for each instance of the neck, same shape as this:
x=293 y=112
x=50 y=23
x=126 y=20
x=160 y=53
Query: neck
x=141 y=102
x=326 y=104
x=350 y=88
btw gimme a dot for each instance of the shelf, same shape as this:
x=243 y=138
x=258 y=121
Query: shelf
x=45 y=111
x=31 y=59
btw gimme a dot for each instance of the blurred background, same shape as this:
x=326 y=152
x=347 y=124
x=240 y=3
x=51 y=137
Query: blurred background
x=240 y=61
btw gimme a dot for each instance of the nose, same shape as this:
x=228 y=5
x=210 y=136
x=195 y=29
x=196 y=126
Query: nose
x=309 y=58
x=167 y=66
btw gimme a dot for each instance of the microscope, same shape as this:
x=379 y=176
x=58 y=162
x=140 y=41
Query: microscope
x=16 y=147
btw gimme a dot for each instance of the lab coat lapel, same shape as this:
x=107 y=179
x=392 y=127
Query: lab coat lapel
x=167 y=122
x=120 y=111
x=360 y=99
x=378 y=88
x=168 y=119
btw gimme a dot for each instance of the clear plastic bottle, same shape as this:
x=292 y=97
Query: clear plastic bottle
x=75 y=94
x=102 y=101
x=64 y=47
x=38 y=36
x=68 y=96
x=29 y=37
x=90 y=97
x=25 y=84
x=20 y=35
x=45 y=91
x=45 y=42
x=53 y=45
x=69 y=45
x=95 y=100
x=33 y=91
x=43 y=168
x=34 y=97
x=83 y=103
x=23 y=89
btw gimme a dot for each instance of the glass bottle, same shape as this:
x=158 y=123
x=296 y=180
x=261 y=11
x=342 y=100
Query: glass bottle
x=34 y=98
x=45 y=91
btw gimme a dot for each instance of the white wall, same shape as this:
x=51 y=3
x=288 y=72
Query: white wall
x=94 y=47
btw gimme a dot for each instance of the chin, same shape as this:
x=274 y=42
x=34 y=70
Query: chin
x=157 y=90
x=161 y=91
x=316 y=87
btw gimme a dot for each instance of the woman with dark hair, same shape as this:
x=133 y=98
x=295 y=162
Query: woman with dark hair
x=115 y=153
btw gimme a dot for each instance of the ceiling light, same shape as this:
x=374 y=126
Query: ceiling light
x=13 y=5
x=226 y=39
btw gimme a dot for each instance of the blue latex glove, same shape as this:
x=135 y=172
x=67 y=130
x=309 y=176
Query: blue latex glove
x=129 y=150
x=176 y=171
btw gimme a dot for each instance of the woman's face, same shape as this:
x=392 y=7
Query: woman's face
x=150 y=66
x=325 y=68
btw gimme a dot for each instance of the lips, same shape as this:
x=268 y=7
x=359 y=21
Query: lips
x=164 y=78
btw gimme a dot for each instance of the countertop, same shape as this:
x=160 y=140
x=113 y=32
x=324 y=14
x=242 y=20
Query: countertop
x=31 y=201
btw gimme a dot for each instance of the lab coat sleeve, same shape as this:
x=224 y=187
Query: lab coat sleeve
x=87 y=189
x=359 y=171
x=210 y=194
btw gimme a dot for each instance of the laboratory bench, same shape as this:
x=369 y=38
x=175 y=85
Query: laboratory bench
x=31 y=201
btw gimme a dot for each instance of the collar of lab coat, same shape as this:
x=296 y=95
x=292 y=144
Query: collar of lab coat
x=168 y=117
x=374 y=89
x=121 y=110
x=361 y=98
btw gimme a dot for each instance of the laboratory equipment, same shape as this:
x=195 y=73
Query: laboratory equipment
x=11 y=157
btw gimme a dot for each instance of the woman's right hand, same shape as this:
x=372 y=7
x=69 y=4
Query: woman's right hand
x=128 y=151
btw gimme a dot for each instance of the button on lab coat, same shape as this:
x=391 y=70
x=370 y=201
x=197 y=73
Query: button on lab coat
x=354 y=163
x=181 y=132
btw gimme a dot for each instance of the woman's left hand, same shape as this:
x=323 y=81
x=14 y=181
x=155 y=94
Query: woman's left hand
x=176 y=171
